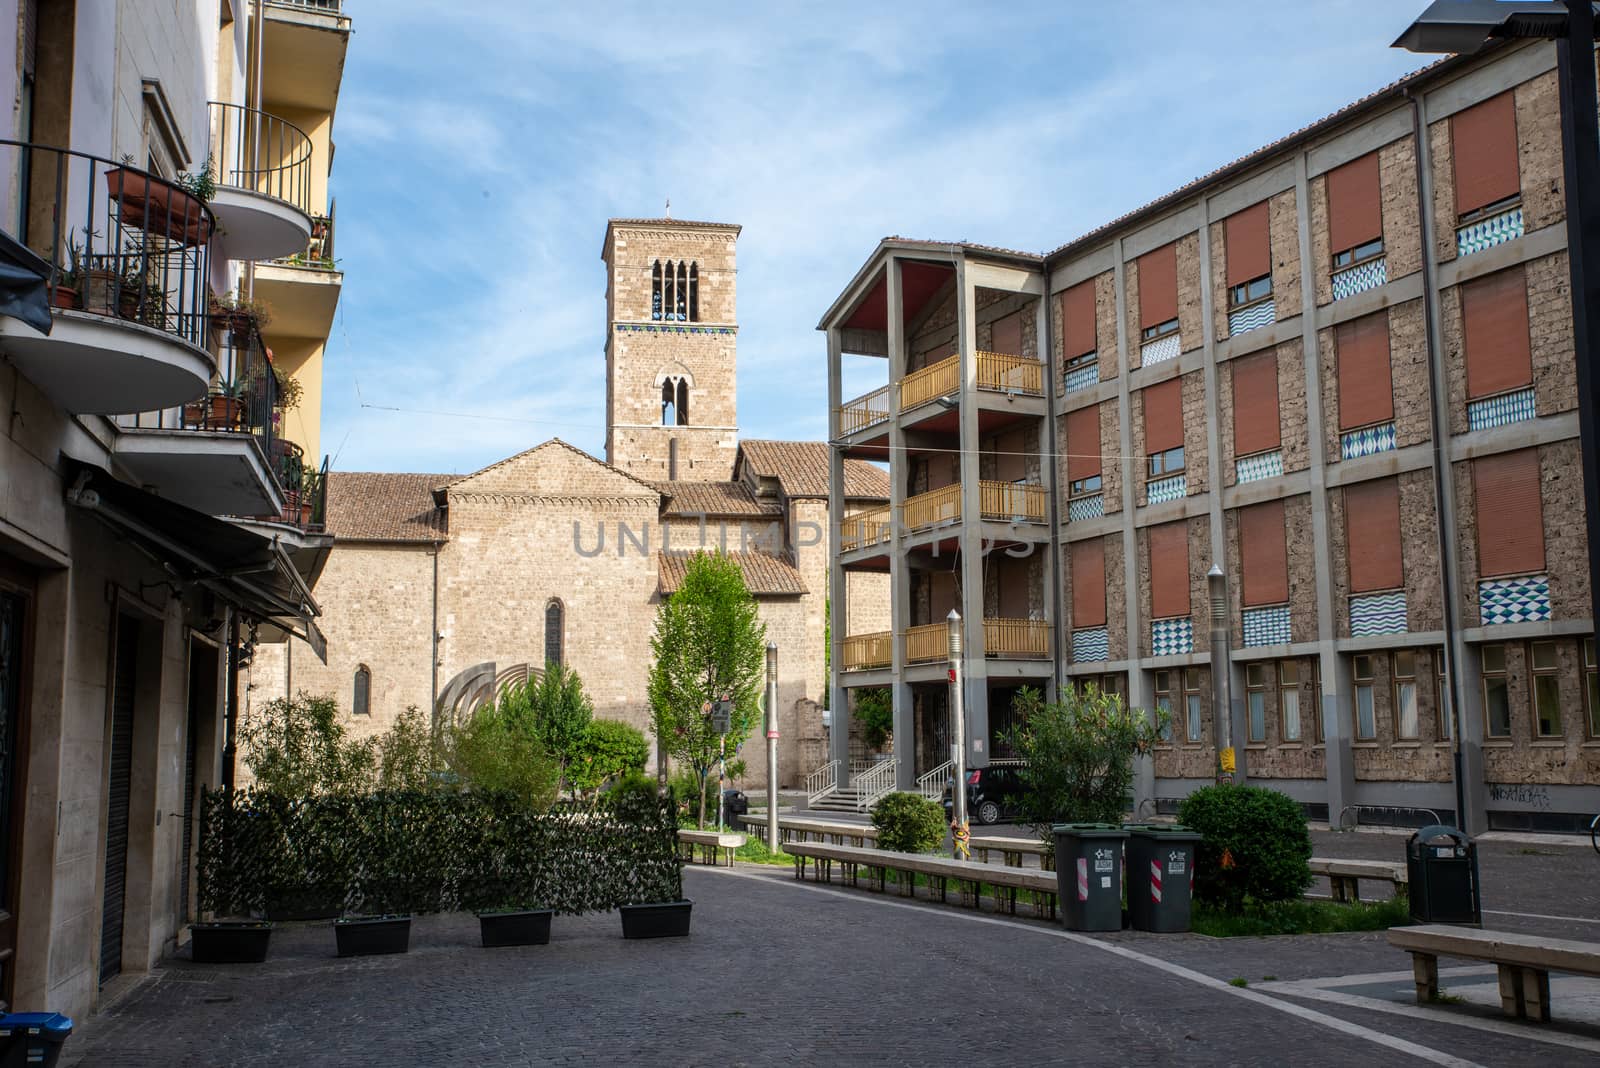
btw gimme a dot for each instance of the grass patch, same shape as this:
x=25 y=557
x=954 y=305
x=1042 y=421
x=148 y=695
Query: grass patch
x=1300 y=917
x=1442 y=998
x=1241 y=982
x=755 y=851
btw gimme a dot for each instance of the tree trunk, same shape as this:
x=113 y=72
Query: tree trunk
x=702 y=823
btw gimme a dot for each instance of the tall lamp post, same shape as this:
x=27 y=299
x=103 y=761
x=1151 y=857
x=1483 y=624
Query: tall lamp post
x=958 y=748
x=772 y=746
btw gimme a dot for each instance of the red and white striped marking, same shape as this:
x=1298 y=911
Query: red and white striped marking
x=1083 y=878
x=1155 y=881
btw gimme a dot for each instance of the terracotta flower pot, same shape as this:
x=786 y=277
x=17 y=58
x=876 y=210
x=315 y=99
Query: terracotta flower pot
x=224 y=411
x=64 y=297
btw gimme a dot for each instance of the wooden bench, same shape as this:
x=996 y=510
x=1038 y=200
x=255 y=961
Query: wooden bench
x=1525 y=962
x=1011 y=850
x=1345 y=876
x=799 y=828
x=709 y=842
x=969 y=875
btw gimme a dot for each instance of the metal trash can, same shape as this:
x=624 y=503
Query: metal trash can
x=1089 y=875
x=1160 y=877
x=734 y=805
x=1442 y=868
x=32 y=1038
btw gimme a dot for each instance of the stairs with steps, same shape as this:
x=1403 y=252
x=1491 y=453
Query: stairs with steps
x=842 y=800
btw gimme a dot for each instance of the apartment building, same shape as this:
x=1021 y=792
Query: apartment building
x=159 y=499
x=1341 y=370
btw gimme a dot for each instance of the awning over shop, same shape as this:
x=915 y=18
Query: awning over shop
x=24 y=292
x=251 y=572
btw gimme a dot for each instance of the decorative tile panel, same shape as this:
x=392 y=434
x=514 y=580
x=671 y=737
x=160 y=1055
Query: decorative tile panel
x=1082 y=377
x=1090 y=645
x=1083 y=508
x=1256 y=315
x=1160 y=350
x=1365 y=442
x=1360 y=278
x=1266 y=626
x=1261 y=465
x=1378 y=613
x=1514 y=600
x=1487 y=233
x=1171 y=637
x=1171 y=488
x=649 y=328
x=1499 y=411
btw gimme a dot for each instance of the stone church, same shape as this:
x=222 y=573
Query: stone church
x=554 y=554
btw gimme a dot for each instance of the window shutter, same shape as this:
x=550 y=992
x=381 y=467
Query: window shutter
x=1510 y=515
x=1158 y=286
x=1006 y=335
x=1372 y=534
x=1169 y=570
x=1163 y=415
x=1249 y=247
x=1494 y=331
x=1009 y=463
x=1078 y=331
x=1089 y=583
x=1366 y=395
x=1483 y=139
x=1355 y=204
x=1263 y=554
x=1083 y=442
x=1255 y=403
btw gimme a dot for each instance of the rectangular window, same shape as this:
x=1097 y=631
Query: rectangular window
x=1081 y=361
x=1078 y=327
x=1441 y=694
x=1150 y=333
x=1403 y=666
x=1510 y=517
x=1355 y=211
x=1494 y=333
x=1248 y=245
x=1496 y=692
x=1162 y=407
x=1083 y=449
x=1372 y=535
x=1255 y=403
x=1164 y=702
x=1158 y=291
x=1084 y=487
x=1088 y=562
x=1360 y=254
x=1264 y=554
x=1250 y=292
x=1366 y=394
x=1169 y=570
x=1289 y=698
x=1483 y=140
x=1167 y=462
x=1366 y=712
x=1591 y=686
x=1546 y=690
x=1255 y=684
x=1191 y=703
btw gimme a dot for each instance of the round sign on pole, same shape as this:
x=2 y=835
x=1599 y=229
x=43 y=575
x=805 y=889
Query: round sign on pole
x=772 y=734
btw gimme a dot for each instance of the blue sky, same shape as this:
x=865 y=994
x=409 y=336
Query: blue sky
x=482 y=146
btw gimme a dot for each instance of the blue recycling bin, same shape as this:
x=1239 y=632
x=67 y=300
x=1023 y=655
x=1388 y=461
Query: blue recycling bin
x=32 y=1038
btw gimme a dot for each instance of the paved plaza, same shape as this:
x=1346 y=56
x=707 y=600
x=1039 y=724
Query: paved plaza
x=778 y=972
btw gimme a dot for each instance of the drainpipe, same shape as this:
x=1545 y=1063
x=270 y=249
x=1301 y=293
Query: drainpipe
x=1441 y=464
x=433 y=633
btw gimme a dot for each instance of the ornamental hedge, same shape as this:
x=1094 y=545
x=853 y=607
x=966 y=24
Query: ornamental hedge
x=1255 y=847
x=262 y=853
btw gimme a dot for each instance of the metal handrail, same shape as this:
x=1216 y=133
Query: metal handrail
x=866 y=410
x=932 y=784
x=822 y=782
x=872 y=784
x=255 y=150
x=332 y=7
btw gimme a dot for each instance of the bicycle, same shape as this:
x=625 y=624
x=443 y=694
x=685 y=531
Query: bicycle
x=1594 y=833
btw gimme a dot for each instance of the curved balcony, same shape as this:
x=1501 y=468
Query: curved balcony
x=263 y=170
x=130 y=265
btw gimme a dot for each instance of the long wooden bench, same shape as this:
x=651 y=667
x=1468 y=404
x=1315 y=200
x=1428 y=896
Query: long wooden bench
x=799 y=828
x=1345 y=876
x=969 y=875
x=1525 y=962
x=710 y=843
x=1011 y=850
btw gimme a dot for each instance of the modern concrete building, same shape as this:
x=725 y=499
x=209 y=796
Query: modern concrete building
x=1340 y=369
x=158 y=512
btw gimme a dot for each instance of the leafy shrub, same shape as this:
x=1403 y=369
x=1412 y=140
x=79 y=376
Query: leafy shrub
x=1255 y=845
x=407 y=755
x=296 y=746
x=875 y=712
x=608 y=751
x=633 y=784
x=497 y=750
x=909 y=823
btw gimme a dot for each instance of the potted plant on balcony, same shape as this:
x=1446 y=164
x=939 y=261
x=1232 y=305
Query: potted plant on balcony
x=68 y=289
x=156 y=205
x=235 y=314
x=225 y=406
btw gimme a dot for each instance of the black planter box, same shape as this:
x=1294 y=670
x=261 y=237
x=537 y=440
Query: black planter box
x=363 y=936
x=229 y=942
x=667 y=919
x=530 y=927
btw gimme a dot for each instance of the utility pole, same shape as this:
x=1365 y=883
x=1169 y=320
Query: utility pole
x=1221 y=698
x=772 y=746
x=958 y=748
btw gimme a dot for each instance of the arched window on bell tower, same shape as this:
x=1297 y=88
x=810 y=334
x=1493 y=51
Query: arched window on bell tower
x=694 y=292
x=683 y=402
x=667 y=295
x=682 y=306
x=674 y=401
x=655 y=291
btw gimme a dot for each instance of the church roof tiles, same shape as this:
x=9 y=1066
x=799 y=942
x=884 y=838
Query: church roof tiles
x=713 y=499
x=763 y=574
x=802 y=467
x=384 y=506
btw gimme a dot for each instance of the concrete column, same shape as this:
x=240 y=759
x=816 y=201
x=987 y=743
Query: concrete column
x=1216 y=528
x=1050 y=443
x=1336 y=687
x=905 y=728
x=976 y=669
x=838 y=608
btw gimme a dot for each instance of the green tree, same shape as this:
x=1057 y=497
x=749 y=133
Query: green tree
x=408 y=755
x=497 y=749
x=554 y=709
x=1079 y=754
x=708 y=645
x=875 y=712
x=609 y=752
x=296 y=746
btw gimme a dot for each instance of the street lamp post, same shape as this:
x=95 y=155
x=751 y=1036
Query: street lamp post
x=958 y=748
x=1221 y=680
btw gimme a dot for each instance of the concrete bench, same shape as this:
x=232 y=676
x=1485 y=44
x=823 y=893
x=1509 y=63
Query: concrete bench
x=1525 y=962
x=969 y=875
x=1011 y=850
x=1345 y=876
x=797 y=828
x=708 y=843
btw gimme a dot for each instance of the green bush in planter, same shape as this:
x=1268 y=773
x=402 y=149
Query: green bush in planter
x=909 y=823
x=1255 y=845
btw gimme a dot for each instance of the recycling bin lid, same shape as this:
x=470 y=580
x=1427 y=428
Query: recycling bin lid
x=50 y=1024
x=1090 y=830
x=1169 y=832
x=1435 y=831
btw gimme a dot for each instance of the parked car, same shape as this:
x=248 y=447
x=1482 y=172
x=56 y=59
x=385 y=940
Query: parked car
x=994 y=793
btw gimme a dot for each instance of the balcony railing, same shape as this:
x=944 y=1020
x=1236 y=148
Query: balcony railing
x=1022 y=639
x=124 y=243
x=243 y=399
x=1010 y=374
x=926 y=643
x=859 y=652
x=331 y=7
x=1010 y=502
x=260 y=152
x=865 y=411
x=943 y=505
x=319 y=249
x=937 y=380
x=871 y=527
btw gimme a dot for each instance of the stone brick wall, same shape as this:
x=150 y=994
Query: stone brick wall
x=1566 y=558
x=1321 y=255
x=1524 y=758
x=636 y=440
x=1419 y=547
x=1283 y=222
x=1444 y=191
x=1555 y=373
x=1402 y=223
x=1116 y=599
x=1184 y=760
x=1388 y=758
x=1276 y=757
x=636 y=246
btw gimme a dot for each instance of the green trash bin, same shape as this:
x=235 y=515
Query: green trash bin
x=1160 y=877
x=1089 y=875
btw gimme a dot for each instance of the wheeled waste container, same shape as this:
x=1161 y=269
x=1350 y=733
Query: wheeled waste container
x=32 y=1038
x=1160 y=877
x=1442 y=869
x=1089 y=875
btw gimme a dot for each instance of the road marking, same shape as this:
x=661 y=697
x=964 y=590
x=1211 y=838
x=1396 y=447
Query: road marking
x=1541 y=916
x=1334 y=1023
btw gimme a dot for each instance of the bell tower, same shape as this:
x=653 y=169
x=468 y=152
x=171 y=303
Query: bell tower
x=671 y=349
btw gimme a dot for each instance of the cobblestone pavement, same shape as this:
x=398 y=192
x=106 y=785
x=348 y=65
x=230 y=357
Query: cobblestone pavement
x=777 y=972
